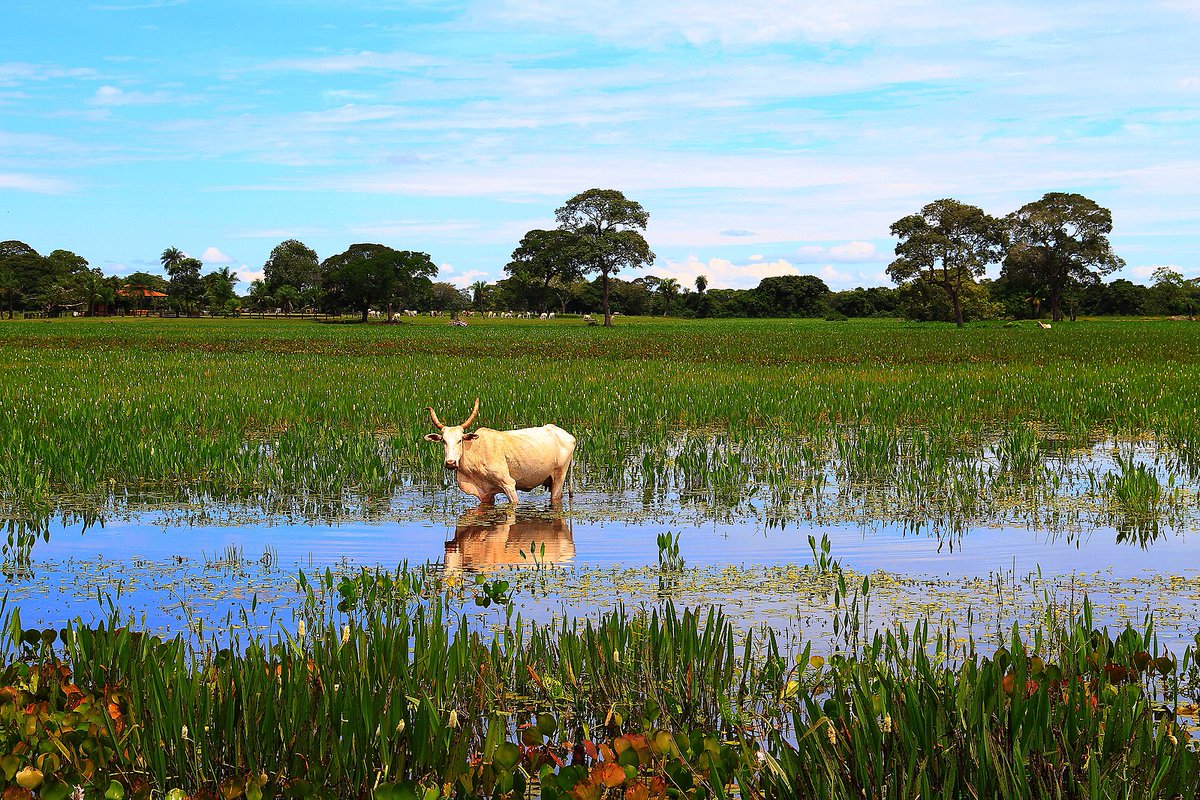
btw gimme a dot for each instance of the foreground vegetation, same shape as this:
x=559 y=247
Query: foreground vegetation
x=791 y=417
x=384 y=690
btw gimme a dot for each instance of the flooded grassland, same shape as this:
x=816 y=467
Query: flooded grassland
x=183 y=468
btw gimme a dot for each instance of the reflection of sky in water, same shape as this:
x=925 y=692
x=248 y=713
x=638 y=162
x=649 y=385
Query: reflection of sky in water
x=158 y=563
x=603 y=543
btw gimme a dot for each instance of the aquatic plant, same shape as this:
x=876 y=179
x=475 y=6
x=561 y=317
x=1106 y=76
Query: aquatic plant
x=393 y=695
x=782 y=419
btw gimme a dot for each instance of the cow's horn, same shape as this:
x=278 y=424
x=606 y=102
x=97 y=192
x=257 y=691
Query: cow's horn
x=474 y=414
x=437 y=423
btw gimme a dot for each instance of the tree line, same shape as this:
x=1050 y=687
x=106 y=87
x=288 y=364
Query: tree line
x=1053 y=253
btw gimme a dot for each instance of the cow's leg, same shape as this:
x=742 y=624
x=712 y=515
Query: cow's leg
x=510 y=491
x=485 y=498
x=556 y=486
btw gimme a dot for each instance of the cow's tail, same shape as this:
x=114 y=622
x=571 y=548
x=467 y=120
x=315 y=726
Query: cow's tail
x=571 y=478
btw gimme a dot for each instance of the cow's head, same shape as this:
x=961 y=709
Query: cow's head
x=452 y=436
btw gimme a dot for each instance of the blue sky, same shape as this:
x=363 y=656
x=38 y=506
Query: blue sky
x=764 y=137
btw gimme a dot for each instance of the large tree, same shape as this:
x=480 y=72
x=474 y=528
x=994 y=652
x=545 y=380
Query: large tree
x=608 y=226
x=368 y=275
x=10 y=289
x=948 y=244
x=25 y=273
x=479 y=294
x=448 y=297
x=412 y=280
x=94 y=289
x=260 y=296
x=186 y=287
x=1058 y=240
x=791 y=296
x=292 y=263
x=171 y=258
x=546 y=258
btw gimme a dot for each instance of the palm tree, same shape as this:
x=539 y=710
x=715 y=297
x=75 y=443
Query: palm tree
x=701 y=283
x=260 y=296
x=668 y=289
x=171 y=258
x=92 y=286
x=286 y=295
x=479 y=291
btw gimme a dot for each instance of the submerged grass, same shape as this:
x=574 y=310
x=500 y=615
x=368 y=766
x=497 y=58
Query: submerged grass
x=383 y=690
x=725 y=414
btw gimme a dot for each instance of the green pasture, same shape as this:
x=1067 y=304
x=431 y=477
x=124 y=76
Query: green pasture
x=899 y=415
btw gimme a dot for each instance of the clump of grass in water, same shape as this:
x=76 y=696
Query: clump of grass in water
x=1134 y=488
x=670 y=563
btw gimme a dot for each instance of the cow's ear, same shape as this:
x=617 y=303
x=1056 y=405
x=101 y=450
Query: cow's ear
x=469 y=436
x=433 y=437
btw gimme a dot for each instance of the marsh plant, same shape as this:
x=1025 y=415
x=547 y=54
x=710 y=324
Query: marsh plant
x=781 y=419
x=385 y=690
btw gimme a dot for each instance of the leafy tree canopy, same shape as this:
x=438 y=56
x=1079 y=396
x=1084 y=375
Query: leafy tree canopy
x=1061 y=238
x=948 y=244
x=368 y=275
x=608 y=226
x=791 y=296
x=292 y=263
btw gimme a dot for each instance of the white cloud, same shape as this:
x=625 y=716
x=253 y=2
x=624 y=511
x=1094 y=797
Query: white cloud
x=14 y=72
x=849 y=253
x=33 y=183
x=247 y=276
x=351 y=62
x=722 y=273
x=114 y=96
x=751 y=22
x=465 y=279
x=213 y=255
x=725 y=274
x=1144 y=272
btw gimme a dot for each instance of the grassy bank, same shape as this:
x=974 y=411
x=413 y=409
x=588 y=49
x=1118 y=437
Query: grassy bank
x=385 y=691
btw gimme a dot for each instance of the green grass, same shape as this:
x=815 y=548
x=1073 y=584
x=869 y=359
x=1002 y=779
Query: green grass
x=793 y=415
x=386 y=688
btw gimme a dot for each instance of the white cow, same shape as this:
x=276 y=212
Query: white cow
x=488 y=462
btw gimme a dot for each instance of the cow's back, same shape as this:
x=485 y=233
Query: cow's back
x=529 y=455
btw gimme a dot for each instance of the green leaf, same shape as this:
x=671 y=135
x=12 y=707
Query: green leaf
x=508 y=755
x=396 y=791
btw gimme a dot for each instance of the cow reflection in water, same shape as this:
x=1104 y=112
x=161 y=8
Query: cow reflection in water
x=488 y=538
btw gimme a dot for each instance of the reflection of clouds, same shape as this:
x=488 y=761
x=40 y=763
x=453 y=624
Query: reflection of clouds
x=486 y=538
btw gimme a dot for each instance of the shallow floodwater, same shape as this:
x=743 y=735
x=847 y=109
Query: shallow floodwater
x=170 y=572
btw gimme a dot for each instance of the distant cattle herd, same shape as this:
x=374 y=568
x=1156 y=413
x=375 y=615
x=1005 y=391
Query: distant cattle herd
x=588 y=318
